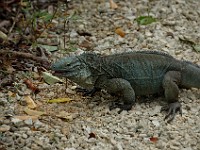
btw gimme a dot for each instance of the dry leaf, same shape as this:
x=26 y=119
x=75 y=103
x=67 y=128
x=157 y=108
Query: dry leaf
x=26 y=117
x=11 y=94
x=153 y=139
x=30 y=102
x=33 y=112
x=65 y=115
x=31 y=86
x=92 y=135
x=86 y=44
x=8 y=65
x=59 y=100
x=10 y=69
x=113 y=5
x=36 y=76
x=120 y=32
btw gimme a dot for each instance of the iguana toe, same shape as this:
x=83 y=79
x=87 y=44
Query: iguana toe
x=172 y=108
x=87 y=92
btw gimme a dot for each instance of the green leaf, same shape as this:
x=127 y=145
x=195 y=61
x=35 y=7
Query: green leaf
x=75 y=17
x=47 y=17
x=49 y=47
x=43 y=15
x=50 y=79
x=72 y=48
x=145 y=20
x=196 y=47
x=39 y=14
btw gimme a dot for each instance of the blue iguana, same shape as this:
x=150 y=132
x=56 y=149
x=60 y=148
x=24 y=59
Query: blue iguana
x=130 y=74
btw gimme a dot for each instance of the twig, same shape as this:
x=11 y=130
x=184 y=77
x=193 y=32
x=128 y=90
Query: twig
x=14 y=22
x=25 y=55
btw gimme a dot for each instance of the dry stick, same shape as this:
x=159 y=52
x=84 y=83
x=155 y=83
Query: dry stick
x=14 y=22
x=66 y=22
x=25 y=55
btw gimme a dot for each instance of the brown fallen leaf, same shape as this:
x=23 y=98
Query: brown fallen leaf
x=65 y=115
x=26 y=117
x=120 y=32
x=92 y=135
x=113 y=5
x=86 y=44
x=33 y=112
x=8 y=66
x=10 y=69
x=153 y=139
x=31 y=86
x=11 y=94
x=30 y=102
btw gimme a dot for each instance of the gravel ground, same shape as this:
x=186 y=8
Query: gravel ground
x=86 y=122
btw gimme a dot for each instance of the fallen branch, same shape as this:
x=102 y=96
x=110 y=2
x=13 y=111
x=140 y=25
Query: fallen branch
x=42 y=59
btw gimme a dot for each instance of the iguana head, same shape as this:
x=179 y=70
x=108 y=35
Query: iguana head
x=75 y=69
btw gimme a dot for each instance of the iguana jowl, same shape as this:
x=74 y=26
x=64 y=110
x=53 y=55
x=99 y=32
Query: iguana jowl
x=130 y=74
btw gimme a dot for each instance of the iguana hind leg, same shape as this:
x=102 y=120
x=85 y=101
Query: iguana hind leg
x=170 y=85
x=123 y=88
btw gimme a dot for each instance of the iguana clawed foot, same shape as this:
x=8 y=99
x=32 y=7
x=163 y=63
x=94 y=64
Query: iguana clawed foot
x=172 y=108
x=87 y=92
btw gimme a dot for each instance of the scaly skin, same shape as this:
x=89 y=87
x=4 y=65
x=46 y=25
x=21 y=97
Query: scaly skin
x=130 y=74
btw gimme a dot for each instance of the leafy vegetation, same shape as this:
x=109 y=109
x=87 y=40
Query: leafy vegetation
x=145 y=20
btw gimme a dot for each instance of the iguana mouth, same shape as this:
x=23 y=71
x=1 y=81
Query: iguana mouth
x=59 y=72
x=66 y=73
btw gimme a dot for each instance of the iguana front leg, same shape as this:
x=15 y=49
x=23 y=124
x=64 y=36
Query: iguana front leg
x=123 y=88
x=170 y=84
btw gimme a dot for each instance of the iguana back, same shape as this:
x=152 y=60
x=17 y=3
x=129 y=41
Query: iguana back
x=144 y=70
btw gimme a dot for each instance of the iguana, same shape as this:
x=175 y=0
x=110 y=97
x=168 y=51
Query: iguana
x=132 y=73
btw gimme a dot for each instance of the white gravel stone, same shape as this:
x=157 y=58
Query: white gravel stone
x=70 y=149
x=28 y=121
x=38 y=124
x=17 y=122
x=4 y=128
x=24 y=136
x=156 y=123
